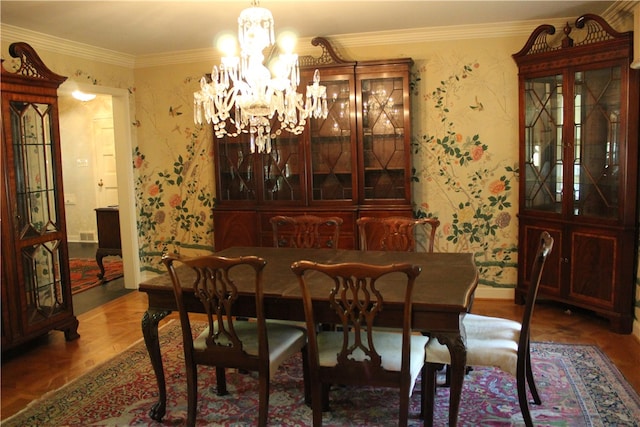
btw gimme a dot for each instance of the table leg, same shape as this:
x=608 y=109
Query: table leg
x=458 y=351
x=150 y=321
x=99 y=256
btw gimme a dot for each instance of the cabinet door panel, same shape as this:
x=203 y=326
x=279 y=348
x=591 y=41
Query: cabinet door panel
x=593 y=267
x=385 y=160
x=38 y=229
x=236 y=174
x=543 y=143
x=551 y=282
x=282 y=170
x=597 y=142
x=332 y=141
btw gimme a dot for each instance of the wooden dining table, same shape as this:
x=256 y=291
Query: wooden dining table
x=442 y=294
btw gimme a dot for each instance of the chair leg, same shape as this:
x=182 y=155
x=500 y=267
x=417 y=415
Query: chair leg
x=524 y=401
x=221 y=381
x=403 y=415
x=263 y=399
x=429 y=398
x=306 y=376
x=316 y=405
x=531 y=381
x=325 y=396
x=192 y=394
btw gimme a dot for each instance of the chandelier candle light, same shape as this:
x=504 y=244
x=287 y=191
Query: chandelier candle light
x=245 y=85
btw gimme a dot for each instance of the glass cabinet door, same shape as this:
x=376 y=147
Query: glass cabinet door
x=282 y=170
x=40 y=239
x=236 y=173
x=332 y=144
x=383 y=137
x=544 y=139
x=597 y=143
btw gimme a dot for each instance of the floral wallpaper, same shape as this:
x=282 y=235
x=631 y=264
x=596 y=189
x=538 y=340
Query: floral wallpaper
x=173 y=169
x=458 y=179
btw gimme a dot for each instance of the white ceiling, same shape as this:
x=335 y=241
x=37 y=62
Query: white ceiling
x=154 y=27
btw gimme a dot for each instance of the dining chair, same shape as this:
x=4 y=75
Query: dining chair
x=395 y=233
x=306 y=231
x=356 y=354
x=227 y=342
x=494 y=341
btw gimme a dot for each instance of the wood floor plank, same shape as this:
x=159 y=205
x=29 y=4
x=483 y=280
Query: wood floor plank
x=49 y=362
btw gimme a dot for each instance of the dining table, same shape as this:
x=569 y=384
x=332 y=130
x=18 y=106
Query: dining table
x=442 y=295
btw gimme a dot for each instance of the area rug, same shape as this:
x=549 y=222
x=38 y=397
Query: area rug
x=84 y=272
x=578 y=384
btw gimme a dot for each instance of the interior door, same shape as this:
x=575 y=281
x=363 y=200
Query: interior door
x=105 y=170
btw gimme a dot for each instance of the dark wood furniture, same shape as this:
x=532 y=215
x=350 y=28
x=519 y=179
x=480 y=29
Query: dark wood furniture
x=356 y=162
x=397 y=233
x=441 y=296
x=491 y=342
x=357 y=353
x=109 y=243
x=579 y=108
x=36 y=288
x=230 y=342
x=305 y=231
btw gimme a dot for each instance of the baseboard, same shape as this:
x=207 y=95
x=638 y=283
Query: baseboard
x=487 y=292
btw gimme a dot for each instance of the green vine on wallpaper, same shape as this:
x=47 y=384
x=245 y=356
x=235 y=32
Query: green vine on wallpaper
x=477 y=191
x=174 y=209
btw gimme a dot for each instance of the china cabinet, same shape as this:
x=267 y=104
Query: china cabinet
x=579 y=106
x=36 y=291
x=354 y=163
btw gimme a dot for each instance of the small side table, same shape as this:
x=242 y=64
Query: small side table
x=109 y=243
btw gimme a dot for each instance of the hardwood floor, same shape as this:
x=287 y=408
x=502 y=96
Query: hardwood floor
x=50 y=362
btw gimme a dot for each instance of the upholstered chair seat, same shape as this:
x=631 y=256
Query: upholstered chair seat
x=283 y=342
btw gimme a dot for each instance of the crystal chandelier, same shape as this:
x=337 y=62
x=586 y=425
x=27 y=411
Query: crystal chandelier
x=243 y=96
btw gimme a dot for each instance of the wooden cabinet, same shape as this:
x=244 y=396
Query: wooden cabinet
x=579 y=107
x=36 y=291
x=356 y=162
x=109 y=243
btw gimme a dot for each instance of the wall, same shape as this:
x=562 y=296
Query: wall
x=464 y=111
x=79 y=162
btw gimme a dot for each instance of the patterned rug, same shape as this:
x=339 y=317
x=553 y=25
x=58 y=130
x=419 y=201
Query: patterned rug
x=578 y=384
x=84 y=272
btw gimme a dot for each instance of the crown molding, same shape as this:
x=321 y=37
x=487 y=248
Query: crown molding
x=66 y=47
x=377 y=38
x=618 y=12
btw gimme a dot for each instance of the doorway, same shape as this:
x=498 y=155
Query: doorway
x=113 y=122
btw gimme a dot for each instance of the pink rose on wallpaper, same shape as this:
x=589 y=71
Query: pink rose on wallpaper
x=175 y=200
x=154 y=189
x=477 y=152
x=497 y=187
x=137 y=162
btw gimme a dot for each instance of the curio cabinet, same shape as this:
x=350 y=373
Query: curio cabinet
x=578 y=163
x=36 y=291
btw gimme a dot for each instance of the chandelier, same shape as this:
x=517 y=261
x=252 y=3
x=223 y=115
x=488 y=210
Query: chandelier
x=243 y=96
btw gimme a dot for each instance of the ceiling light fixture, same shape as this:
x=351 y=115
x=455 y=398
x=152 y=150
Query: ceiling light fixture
x=245 y=93
x=83 y=96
